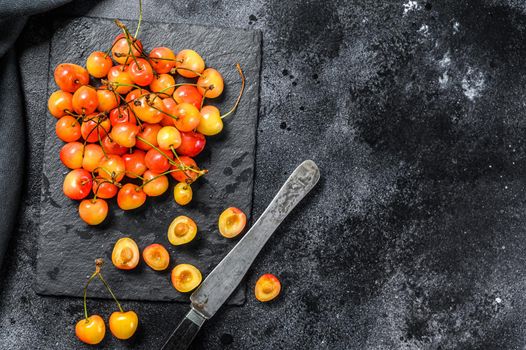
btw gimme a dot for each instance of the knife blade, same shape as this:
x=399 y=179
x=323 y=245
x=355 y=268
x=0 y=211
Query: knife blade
x=227 y=275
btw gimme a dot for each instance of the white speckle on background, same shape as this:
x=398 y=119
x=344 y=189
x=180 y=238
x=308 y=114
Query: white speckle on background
x=424 y=29
x=473 y=84
x=410 y=6
x=443 y=80
x=498 y=300
x=456 y=27
x=445 y=61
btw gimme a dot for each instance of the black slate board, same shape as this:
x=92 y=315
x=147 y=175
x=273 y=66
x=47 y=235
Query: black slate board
x=67 y=246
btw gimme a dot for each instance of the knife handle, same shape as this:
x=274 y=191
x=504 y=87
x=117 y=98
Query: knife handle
x=184 y=334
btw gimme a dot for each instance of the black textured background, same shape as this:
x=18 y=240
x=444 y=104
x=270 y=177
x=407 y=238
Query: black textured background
x=414 y=237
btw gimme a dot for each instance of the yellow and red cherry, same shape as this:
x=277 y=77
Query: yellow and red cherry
x=102 y=188
x=112 y=147
x=148 y=108
x=95 y=127
x=120 y=50
x=112 y=168
x=125 y=134
x=189 y=63
x=71 y=155
x=156 y=256
x=130 y=197
x=267 y=287
x=232 y=222
x=93 y=211
x=134 y=163
x=92 y=156
x=108 y=99
x=158 y=162
x=59 y=103
x=123 y=324
x=120 y=79
x=135 y=94
x=169 y=106
x=187 y=117
x=149 y=133
x=77 y=184
x=163 y=85
x=210 y=83
x=125 y=254
x=192 y=143
x=98 y=64
x=182 y=230
x=211 y=122
x=188 y=94
x=184 y=174
x=183 y=193
x=68 y=129
x=122 y=114
x=186 y=277
x=162 y=59
x=168 y=137
x=154 y=184
x=69 y=77
x=91 y=330
x=85 y=100
x=141 y=72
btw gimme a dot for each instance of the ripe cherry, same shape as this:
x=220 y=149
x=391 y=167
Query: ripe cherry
x=108 y=99
x=68 y=129
x=135 y=94
x=77 y=184
x=112 y=168
x=59 y=102
x=111 y=147
x=148 y=108
x=123 y=324
x=85 y=100
x=93 y=211
x=130 y=196
x=134 y=163
x=71 y=155
x=162 y=59
x=94 y=127
x=168 y=137
x=187 y=117
x=169 y=106
x=163 y=85
x=210 y=83
x=192 y=143
x=185 y=175
x=141 y=72
x=92 y=155
x=148 y=132
x=188 y=94
x=98 y=64
x=158 y=162
x=120 y=50
x=119 y=75
x=183 y=193
x=154 y=184
x=122 y=114
x=69 y=77
x=211 y=122
x=125 y=134
x=91 y=330
x=104 y=189
x=189 y=63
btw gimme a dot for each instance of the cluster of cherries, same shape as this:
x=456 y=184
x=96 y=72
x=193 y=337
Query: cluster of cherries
x=137 y=124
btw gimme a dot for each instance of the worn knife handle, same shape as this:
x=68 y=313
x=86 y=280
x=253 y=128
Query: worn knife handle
x=184 y=334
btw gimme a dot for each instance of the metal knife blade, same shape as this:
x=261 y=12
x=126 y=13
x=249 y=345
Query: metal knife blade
x=227 y=275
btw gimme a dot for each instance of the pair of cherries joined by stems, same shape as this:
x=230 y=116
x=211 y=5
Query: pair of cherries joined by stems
x=139 y=124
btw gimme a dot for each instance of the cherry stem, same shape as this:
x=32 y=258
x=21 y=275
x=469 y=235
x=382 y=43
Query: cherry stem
x=174 y=70
x=157 y=149
x=140 y=20
x=98 y=265
x=130 y=45
x=156 y=177
x=111 y=292
x=240 y=92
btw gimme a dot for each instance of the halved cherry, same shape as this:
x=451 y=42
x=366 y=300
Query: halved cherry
x=77 y=184
x=156 y=256
x=192 y=143
x=186 y=277
x=112 y=167
x=182 y=230
x=155 y=184
x=69 y=77
x=71 y=155
x=92 y=155
x=125 y=255
x=231 y=223
x=188 y=94
x=93 y=211
x=130 y=197
x=134 y=163
x=267 y=287
x=59 y=102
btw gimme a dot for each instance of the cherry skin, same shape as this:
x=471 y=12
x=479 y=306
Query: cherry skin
x=168 y=137
x=130 y=197
x=188 y=94
x=211 y=122
x=108 y=99
x=162 y=59
x=123 y=324
x=125 y=134
x=135 y=94
x=169 y=106
x=93 y=211
x=187 y=176
x=155 y=184
x=98 y=64
x=148 y=108
x=92 y=155
x=210 y=83
x=189 y=63
x=68 y=129
x=192 y=143
x=95 y=127
x=85 y=100
x=149 y=133
x=111 y=168
x=77 y=184
x=163 y=84
x=69 y=77
x=71 y=155
x=59 y=102
x=91 y=330
x=183 y=193
x=122 y=114
x=141 y=72
x=104 y=189
x=188 y=117
x=121 y=49
x=135 y=163
x=120 y=75
x=158 y=162
x=112 y=147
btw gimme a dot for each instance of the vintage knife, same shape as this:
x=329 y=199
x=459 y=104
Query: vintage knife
x=226 y=276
